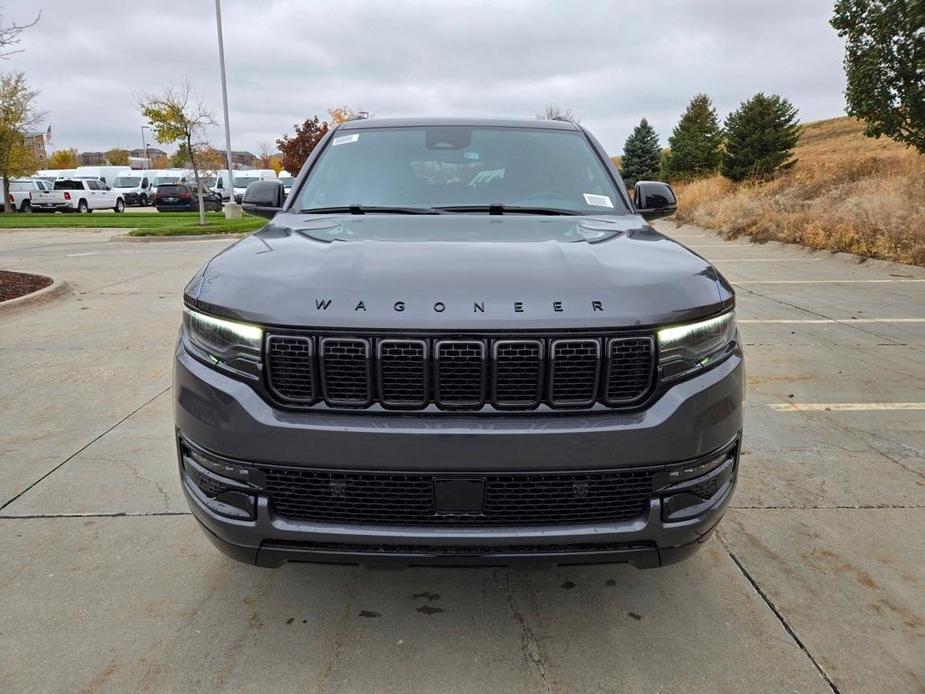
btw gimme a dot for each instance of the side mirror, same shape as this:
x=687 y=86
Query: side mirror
x=654 y=200
x=264 y=198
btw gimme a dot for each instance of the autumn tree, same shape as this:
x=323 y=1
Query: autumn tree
x=297 y=148
x=552 y=112
x=160 y=161
x=760 y=137
x=695 y=144
x=642 y=157
x=63 y=159
x=117 y=156
x=885 y=66
x=176 y=115
x=341 y=114
x=17 y=115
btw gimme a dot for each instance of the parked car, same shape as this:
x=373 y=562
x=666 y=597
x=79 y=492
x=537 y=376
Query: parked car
x=21 y=193
x=134 y=186
x=242 y=179
x=78 y=195
x=181 y=197
x=413 y=363
x=164 y=177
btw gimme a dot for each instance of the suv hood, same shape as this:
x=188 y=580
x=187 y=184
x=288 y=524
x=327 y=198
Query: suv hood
x=459 y=272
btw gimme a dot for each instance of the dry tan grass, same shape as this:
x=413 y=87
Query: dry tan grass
x=847 y=193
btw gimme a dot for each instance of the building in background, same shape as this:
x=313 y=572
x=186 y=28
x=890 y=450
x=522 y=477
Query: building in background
x=36 y=141
x=244 y=160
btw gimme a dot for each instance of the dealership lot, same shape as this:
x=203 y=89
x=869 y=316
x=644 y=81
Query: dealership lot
x=815 y=583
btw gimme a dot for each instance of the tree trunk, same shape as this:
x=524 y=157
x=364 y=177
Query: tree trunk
x=7 y=205
x=192 y=159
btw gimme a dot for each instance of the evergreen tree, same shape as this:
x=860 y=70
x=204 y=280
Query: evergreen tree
x=760 y=137
x=641 y=155
x=695 y=143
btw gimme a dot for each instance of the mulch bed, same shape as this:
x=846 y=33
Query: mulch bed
x=15 y=284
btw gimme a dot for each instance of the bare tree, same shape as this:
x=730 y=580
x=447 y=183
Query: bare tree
x=266 y=154
x=552 y=112
x=177 y=115
x=9 y=35
x=17 y=116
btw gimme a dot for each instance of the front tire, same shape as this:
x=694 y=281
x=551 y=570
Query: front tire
x=143 y=202
x=83 y=207
x=120 y=206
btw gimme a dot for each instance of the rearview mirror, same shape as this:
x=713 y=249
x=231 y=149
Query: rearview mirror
x=264 y=198
x=654 y=199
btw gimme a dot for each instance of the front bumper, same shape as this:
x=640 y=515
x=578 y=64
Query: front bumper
x=693 y=420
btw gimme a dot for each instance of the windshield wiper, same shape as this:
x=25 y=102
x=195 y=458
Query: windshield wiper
x=498 y=208
x=370 y=209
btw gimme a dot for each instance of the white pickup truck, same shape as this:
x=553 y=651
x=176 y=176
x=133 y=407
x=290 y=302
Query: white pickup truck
x=78 y=195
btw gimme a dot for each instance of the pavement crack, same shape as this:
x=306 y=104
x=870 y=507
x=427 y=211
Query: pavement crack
x=529 y=644
x=817 y=314
x=82 y=449
x=777 y=613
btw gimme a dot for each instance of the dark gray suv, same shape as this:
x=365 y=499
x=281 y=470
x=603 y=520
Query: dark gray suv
x=458 y=342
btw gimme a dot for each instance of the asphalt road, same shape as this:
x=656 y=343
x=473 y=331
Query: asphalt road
x=816 y=582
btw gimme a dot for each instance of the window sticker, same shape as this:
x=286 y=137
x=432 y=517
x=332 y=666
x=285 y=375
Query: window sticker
x=344 y=139
x=474 y=156
x=598 y=200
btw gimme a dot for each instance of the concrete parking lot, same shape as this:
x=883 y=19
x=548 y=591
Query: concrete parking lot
x=815 y=583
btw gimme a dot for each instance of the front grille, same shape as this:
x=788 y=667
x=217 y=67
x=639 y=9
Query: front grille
x=458 y=550
x=397 y=498
x=506 y=373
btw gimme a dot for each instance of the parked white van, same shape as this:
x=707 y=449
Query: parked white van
x=287 y=179
x=135 y=187
x=106 y=174
x=244 y=177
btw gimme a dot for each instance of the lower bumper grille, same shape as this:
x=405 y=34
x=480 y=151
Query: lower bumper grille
x=519 y=499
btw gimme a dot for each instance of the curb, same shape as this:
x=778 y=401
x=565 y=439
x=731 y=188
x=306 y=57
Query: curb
x=179 y=237
x=49 y=293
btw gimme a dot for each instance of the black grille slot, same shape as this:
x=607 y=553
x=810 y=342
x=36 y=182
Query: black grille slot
x=629 y=369
x=574 y=372
x=408 y=498
x=460 y=380
x=403 y=373
x=345 y=371
x=290 y=367
x=518 y=373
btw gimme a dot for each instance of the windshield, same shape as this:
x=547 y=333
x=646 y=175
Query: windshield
x=169 y=189
x=208 y=181
x=243 y=182
x=461 y=166
x=161 y=180
x=286 y=181
x=126 y=182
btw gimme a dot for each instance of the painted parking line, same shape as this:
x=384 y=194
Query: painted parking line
x=823 y=321
x=890 y=281
x=764 y=260
x=844 y=406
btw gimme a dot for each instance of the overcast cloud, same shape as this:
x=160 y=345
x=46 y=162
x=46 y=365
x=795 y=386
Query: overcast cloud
x=612 y=63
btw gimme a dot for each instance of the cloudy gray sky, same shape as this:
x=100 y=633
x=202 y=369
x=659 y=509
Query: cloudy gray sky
x=611 y=62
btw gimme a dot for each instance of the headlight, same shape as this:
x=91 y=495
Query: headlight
x=224 y=343
x=684 y=349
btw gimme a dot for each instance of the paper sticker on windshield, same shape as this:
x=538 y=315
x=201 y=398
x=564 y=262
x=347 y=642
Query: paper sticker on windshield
x=474 y=156
x=344 y=139
x=598 y=200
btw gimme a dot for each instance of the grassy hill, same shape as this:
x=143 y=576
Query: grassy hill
x=847 y=192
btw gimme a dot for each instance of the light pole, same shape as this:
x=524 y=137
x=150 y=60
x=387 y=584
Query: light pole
x=144 y=146
x=232 y=210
